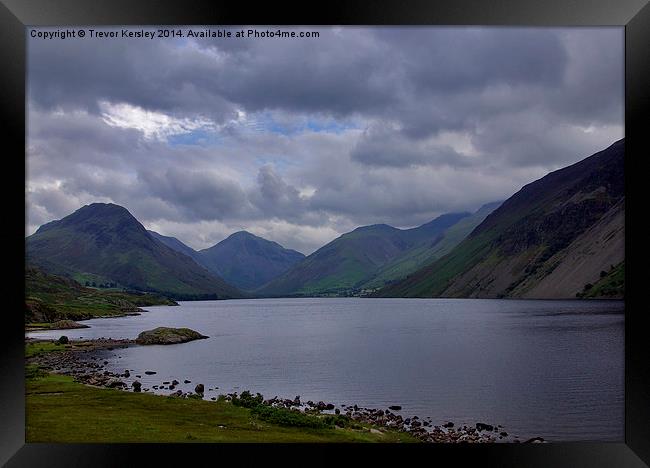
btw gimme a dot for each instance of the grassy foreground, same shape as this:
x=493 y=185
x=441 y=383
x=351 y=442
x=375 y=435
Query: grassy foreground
x=61 y=410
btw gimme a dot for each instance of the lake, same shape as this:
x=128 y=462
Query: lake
x=553 y=369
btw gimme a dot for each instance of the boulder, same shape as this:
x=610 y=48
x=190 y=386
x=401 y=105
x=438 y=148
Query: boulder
x=166 y=336
x=484 y=427
x=115 y=384
x=199 y=389
x=137 y=386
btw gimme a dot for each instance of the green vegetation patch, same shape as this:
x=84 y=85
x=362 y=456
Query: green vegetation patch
x=290 y=417
x=610 y=285
x=42 y=347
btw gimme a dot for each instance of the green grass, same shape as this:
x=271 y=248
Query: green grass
x=433 y=279
x=611 y=284
x=41 y=347
x=61 y=410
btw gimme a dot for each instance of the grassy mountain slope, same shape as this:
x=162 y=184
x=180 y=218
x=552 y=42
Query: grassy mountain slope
x=531 y=235
x=353 y=258
x=426 y=252
x=106 y=240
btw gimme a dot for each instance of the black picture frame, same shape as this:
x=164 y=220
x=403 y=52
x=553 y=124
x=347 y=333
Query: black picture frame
x=15 y=15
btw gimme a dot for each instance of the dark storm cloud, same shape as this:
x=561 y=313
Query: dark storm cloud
x=150 y=74
x=358 y=71
x=303 y=139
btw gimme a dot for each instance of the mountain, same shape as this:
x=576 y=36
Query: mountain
x=105 y=243
x=247 y=261
x=555 y=238
x=424 y=253
x=349 y=261
x=177 y=245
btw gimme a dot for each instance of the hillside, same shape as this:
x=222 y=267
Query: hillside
x=424 y=253
x=105 y=243
x=347 y=262
x=49 y=298
x=177 y=245
x=549 y=240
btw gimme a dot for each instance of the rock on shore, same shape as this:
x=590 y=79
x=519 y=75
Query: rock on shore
x=166 y=335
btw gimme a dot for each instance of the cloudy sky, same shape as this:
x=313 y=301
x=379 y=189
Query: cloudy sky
x=300 y=140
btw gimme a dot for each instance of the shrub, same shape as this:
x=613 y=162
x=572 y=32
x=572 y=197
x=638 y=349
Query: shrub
x=247 y=400
x=287 y=417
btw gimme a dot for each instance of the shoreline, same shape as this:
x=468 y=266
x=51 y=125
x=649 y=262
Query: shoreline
x=76 y=360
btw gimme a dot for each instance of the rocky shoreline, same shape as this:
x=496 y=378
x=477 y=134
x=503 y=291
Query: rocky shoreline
x=79 y=360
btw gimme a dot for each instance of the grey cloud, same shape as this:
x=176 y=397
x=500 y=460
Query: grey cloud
x=149 y=74
x=201 y=195
x=361 y=70
x=527 y=101
x=383 y=146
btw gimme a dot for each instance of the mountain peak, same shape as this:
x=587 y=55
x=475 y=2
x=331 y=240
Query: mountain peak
x=103 y=209
x=376 y=227
x=242 y=235
x=248 y=261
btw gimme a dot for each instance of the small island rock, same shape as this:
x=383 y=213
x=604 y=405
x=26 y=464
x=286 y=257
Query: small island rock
x=67 y=324
x=166 y=335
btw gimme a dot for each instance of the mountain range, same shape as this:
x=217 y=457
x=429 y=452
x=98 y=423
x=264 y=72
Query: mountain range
x=366 y=257
x=104 y=243
x=242 y=259
x=558 y=237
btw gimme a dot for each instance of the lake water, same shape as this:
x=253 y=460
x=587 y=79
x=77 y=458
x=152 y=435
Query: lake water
x=553 y=369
